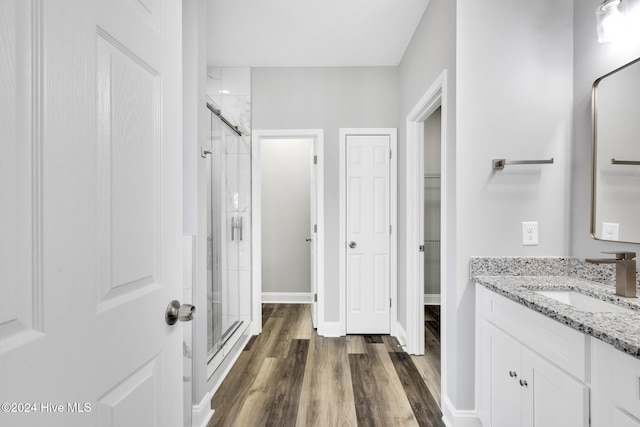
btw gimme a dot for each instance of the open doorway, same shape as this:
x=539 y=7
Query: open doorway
x=430 y=228
x=288 y=220
x=286 y=216
x=429 y=119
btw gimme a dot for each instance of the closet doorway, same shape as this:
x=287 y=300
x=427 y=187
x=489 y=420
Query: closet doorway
x=430 y=229
x=429 y=245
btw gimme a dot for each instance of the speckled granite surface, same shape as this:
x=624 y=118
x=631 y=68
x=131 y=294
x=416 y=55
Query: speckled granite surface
x=518 y=279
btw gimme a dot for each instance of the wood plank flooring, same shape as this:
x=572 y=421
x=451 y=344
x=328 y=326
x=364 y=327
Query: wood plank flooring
x=290 y=376
x=429 y=364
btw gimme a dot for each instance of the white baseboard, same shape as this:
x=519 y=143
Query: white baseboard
x=202 y=413
x=330 y=329
x=401 y=335
x=431 y=299
x=287 y=297
x=458 y=418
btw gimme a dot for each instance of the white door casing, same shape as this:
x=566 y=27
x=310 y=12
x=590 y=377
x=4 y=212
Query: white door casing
x=434 y=97
x=313 y=244
x=92 y=111
x=368 y=201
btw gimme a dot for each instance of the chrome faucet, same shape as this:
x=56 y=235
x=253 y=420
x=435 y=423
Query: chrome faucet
x=625 y=271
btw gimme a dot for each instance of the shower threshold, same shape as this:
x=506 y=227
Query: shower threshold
x=227 y=341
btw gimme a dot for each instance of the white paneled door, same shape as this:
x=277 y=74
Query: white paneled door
x=90 y=217
x=368 y=230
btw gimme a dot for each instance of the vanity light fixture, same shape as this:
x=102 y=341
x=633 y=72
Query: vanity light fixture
x=611 y=20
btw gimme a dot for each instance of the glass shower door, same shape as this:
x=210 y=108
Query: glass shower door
x=229 y=239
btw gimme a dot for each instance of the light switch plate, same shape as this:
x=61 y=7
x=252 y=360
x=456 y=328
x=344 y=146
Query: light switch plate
x=530 y=233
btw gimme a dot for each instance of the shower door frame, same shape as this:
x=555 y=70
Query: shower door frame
x=218 y=154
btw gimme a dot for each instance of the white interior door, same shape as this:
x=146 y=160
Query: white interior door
x=90 y=229
x=368 y=230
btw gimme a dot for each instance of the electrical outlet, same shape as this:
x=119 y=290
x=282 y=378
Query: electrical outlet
x=610 y=230
x=530 y=233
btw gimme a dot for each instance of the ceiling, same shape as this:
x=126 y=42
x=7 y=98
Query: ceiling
x=310 y=33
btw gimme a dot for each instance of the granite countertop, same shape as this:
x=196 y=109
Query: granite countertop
x=622 y=330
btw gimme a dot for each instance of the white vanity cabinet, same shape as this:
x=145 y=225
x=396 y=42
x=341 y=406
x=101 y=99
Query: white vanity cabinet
x=531 y=369
x=615 y=387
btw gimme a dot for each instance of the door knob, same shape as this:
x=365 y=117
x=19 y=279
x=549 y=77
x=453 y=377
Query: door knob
x=175 y=312
x=308 y=239
x=352 y=244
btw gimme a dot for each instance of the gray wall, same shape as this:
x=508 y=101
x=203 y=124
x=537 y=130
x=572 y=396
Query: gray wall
x=591 y=60
x=432 y=50
x=329 y=99
x=514 y=100
x=286 y=182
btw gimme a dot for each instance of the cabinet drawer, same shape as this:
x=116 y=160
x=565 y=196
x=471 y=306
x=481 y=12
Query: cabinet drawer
x=547 y=337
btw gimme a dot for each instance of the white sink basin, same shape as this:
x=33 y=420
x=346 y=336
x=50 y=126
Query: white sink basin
x=582 y=302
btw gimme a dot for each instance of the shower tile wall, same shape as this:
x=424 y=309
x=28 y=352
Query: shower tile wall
x=230 y=90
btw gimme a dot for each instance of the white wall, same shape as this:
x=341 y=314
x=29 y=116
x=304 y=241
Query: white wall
x=326 y=98
x=591 y=60
x=196 y=120
x=514 y=100
x=286 y=172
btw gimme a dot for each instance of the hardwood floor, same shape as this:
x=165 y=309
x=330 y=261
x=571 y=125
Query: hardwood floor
x=429 y=364
x=290 y=376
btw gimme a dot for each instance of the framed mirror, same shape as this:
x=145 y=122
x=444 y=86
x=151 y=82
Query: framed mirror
x=615 y=199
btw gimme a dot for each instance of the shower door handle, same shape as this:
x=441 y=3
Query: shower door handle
x=233 y=228
x=236 y=223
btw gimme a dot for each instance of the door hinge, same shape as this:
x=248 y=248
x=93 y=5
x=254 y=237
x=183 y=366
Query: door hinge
x=315 y=228
x=390 y=154
x=390 y=229
x=315 y=160
x=390 y=303
x=315 y=297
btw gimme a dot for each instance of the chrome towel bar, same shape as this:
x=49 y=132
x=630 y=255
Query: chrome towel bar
x=625 y=162
x=499 y=164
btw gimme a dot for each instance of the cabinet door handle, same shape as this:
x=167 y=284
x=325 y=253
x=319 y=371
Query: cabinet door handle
x=523 y=383
x=513 y=374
